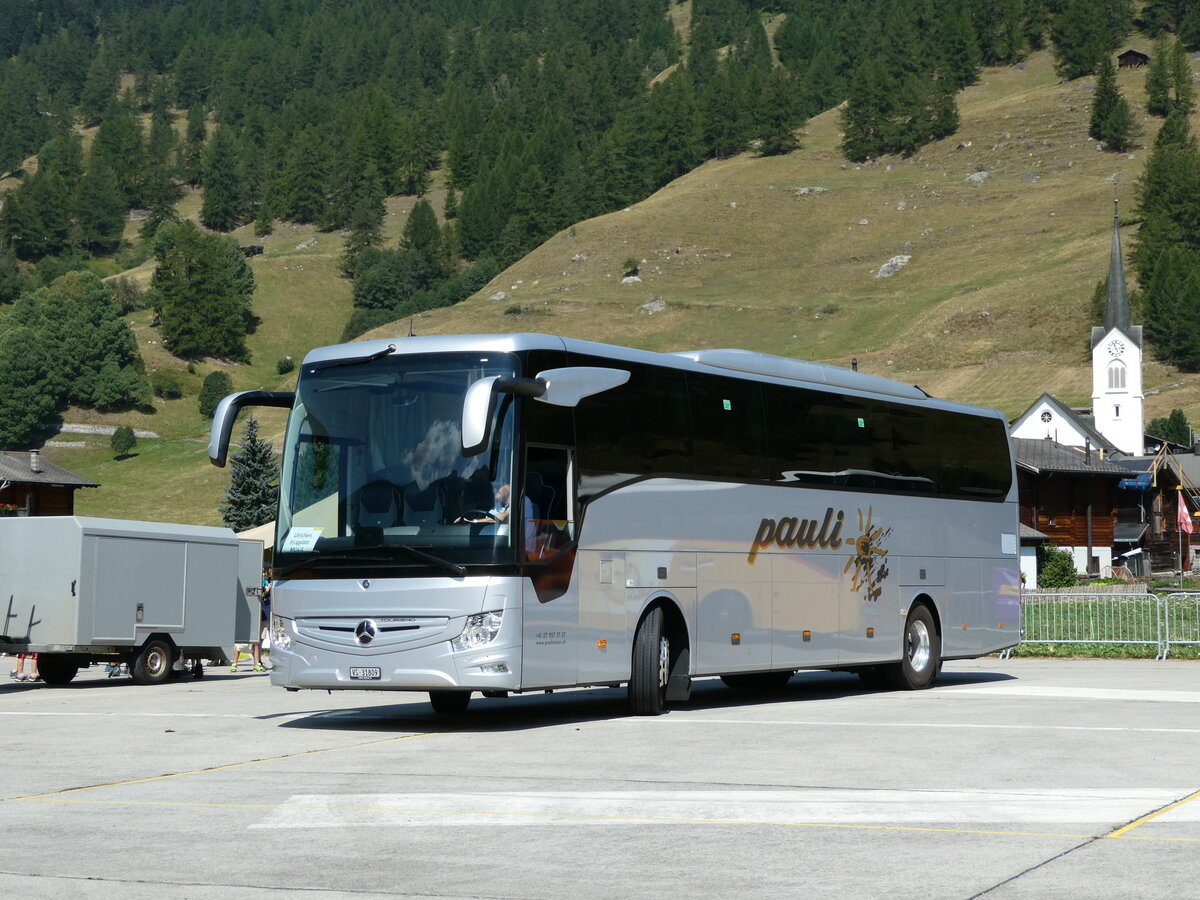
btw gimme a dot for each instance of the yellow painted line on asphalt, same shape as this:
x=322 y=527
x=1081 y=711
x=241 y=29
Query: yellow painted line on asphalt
x=57 y=795
x=645 y=820
x=1137 y=823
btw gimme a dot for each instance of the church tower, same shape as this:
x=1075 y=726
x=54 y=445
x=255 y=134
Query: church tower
x=1117 y=347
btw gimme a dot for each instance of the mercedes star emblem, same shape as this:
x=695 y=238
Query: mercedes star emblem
x=366 y=631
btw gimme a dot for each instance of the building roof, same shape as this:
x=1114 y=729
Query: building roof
x=16 y=468
x=1081 y=423
x=1041 y=456
x=1032 y=535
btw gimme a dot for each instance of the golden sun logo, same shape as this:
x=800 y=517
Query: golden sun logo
x=869 y=561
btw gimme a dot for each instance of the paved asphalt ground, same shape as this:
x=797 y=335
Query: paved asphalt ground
x=1008 y=779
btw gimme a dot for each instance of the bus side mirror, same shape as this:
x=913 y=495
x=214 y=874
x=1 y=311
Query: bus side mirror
x=560 y=387
x=566 y=387
x=226 y=412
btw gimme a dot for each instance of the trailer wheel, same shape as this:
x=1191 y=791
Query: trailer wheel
x=153 y=663
x=922 y=653
x=57 y=668
x=651 y=666
x=449 y=702
x=758 y=681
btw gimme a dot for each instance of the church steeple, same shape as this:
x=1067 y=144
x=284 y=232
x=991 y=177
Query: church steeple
x=1116 y=313
x=1117 y=397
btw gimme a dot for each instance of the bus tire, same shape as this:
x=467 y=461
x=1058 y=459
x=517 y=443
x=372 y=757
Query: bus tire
x=651 y=666
x=153 y=663
x=922 y=653
x=57 y=668
x=449 y=702
x=758 y=681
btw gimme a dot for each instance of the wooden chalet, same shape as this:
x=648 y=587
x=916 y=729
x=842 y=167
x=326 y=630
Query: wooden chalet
x=1132 y=59
x=1150 y=501
x=1069 y=496
x=32 y=486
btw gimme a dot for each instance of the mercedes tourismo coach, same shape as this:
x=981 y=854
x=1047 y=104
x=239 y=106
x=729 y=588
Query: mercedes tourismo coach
x=509 y=513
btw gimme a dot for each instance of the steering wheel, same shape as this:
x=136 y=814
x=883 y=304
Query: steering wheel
x=472 y=514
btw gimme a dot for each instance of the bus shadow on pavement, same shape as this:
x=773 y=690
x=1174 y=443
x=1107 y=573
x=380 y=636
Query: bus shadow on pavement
x=537 y=710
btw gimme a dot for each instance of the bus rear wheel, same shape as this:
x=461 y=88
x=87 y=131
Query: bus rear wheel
x=449 y=702
x=922 y=653
x=651 y=666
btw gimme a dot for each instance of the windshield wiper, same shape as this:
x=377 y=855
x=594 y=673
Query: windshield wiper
x=416 y=553
x=444 y=564
x=353 y=360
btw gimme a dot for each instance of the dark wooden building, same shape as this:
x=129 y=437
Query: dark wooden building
x=1132 y=59
x=32 y=486
x=1070 y=495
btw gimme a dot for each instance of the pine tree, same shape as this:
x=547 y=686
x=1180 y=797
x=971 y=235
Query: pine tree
x=1174 y=428
x=866 y=116
x=119 y=144
x=224 y=204
x=1112 y=120
x=1181 y=78
x=192 y=162
x=202 y=293
x=777 y=132
x=1168 y=193
x=422 y=234
x=28 y=396
x=1173 y=309
x=253 y=494
x=98 y=208
x=1158 y=79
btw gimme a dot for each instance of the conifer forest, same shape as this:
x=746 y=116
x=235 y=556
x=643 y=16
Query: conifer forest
x=538 y=114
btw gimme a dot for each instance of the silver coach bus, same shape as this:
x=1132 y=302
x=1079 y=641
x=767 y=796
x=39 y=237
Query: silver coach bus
x=510 y=513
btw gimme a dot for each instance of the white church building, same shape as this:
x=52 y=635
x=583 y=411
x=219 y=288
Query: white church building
x=1115 y=421
x=1113 y=428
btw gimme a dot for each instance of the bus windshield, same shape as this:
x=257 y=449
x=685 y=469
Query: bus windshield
x=373 y=472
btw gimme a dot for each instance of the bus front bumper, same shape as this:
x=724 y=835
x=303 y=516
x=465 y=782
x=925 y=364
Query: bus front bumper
x=432 y=667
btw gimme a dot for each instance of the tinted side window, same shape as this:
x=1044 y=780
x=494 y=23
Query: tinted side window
x=798 y=439
x=640 y=428
x=727 y=427
x=975 y=459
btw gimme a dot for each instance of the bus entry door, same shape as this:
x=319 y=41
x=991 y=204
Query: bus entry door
x=603 y=635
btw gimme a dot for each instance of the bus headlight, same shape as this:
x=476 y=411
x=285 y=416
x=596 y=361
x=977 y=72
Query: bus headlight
x=479 y=631
x=281 y=634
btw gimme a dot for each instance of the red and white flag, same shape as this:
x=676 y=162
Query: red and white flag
x=1185 y=520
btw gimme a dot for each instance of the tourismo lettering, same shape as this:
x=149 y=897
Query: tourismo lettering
x=791 y=533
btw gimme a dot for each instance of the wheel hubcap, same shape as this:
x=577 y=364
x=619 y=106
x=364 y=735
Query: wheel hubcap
x=155 y=663
x=919 y=646
x=664 y=662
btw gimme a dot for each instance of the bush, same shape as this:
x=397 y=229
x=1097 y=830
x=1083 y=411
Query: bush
x=129 y=294
x=166 y=385
x=216 y=386
x=284 y=365
x=123 y=440
x=1056 y=568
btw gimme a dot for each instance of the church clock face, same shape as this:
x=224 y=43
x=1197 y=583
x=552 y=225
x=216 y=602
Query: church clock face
x=1116 y=347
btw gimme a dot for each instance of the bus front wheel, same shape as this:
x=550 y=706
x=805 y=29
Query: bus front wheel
x=922 y=653
x=449 y=702
x=651 y=666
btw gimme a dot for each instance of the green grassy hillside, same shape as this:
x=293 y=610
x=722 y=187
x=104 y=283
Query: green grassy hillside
x=991 y=308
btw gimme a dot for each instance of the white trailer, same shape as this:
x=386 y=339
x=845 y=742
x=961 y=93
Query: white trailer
x=79 y=590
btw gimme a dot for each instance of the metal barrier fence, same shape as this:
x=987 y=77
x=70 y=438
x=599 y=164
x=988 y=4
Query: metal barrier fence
x=1159 y=620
